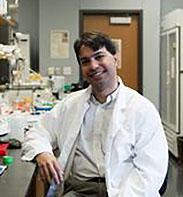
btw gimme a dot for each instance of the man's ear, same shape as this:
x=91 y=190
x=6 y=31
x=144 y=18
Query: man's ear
x=115 y=59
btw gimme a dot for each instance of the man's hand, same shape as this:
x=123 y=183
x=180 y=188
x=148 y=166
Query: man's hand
x=49 y=167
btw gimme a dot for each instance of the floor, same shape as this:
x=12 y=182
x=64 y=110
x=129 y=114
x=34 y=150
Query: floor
x=175 y=179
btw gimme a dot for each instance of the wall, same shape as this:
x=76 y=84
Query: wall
x=28 y=22
x=151 y=50
x=169 y=5
x=63 y=14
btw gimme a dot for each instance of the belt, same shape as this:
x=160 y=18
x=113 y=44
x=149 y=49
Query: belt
x=97 y=180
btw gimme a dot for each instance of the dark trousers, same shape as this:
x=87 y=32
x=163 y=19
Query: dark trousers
x=76 y=188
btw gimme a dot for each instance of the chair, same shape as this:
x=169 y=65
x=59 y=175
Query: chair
x=164 y=186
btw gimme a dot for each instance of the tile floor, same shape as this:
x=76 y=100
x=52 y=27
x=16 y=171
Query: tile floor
x=175 y=179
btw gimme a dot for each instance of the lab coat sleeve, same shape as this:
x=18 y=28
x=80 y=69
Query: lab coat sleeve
x=43 y=136
x=150 y=156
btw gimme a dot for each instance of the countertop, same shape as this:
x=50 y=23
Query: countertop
x=16 y=180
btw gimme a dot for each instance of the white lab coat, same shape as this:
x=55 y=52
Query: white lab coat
x=136 y=155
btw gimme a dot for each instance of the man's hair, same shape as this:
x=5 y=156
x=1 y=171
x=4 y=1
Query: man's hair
x=95 y=41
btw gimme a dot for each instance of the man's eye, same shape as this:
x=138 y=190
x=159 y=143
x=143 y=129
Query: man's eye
x=99 y=57
x=84 y=61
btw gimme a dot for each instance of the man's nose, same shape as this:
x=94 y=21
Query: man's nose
x=93 y=63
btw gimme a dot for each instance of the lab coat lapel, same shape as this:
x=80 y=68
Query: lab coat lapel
x=113 y=130
x=74 y=128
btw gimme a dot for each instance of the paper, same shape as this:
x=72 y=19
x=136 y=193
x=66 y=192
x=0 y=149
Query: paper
x=59 y=44
x=118 y=43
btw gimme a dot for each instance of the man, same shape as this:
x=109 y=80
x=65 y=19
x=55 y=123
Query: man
x=110 y=138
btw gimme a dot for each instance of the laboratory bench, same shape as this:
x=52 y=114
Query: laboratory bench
x=21 y=178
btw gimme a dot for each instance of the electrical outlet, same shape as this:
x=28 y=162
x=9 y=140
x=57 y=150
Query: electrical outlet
x=67 y=70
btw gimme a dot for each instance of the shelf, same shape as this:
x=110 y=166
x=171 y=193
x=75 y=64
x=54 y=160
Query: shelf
x=4 y=21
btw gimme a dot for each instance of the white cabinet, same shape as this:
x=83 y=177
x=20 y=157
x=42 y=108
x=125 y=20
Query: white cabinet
x=171 y=70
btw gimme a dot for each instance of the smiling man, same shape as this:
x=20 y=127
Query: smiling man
x=99 y=69
x=110 y=137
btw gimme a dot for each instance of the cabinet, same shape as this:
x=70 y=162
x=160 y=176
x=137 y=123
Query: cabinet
x=171 y=78
x=169 y=93
x=6 y=27
x=5 y=35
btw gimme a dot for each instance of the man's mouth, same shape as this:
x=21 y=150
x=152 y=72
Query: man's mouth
x=96 y=74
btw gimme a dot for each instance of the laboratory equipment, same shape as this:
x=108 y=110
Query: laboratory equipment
x=4 y=71
x=22 y=42
x=2 y=169
x=58 y=85
x=18 y=55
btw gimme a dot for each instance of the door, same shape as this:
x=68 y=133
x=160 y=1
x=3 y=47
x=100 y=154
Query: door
x=125 y=30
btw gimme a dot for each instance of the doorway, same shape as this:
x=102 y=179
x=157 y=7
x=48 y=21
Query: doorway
x=125 y=28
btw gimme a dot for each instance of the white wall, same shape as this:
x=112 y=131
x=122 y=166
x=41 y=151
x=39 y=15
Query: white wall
x=64 y=14
x=169 y=5
x=108 y=4
x=151 y=50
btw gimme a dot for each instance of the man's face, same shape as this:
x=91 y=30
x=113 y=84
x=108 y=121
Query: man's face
x=98 y=67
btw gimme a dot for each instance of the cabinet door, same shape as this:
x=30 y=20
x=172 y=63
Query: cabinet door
x=4 y=34
x=163 y=78
x=174 y=79
x=170 y=78
x=181 y=102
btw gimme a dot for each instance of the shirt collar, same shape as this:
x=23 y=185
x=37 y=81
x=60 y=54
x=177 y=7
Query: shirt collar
x=110 y=98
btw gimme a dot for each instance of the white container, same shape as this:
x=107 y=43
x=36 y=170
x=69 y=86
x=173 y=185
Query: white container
x=58 y=85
